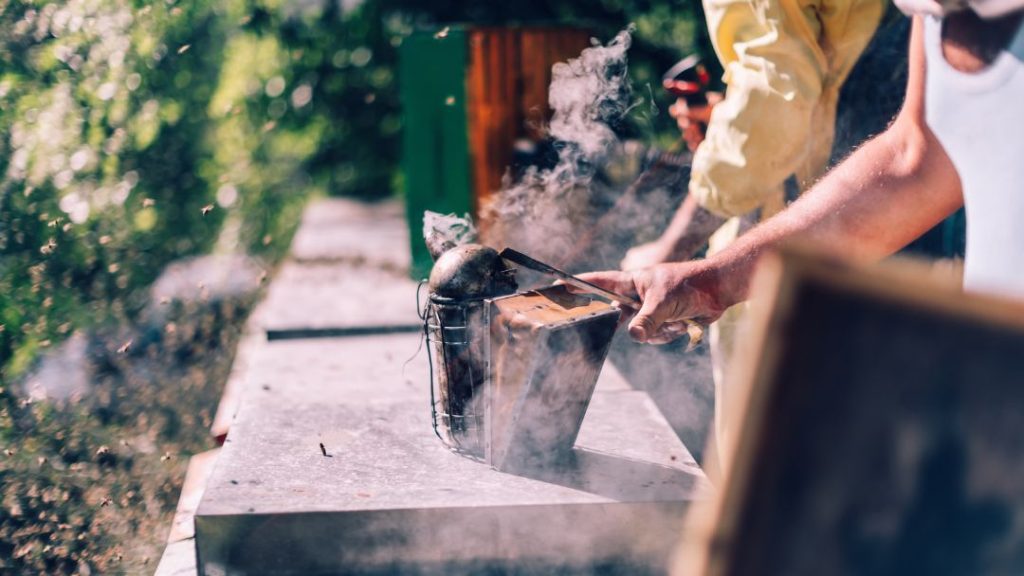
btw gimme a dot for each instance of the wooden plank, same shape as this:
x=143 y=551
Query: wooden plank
x=880 y=430
x=179 y=559
x=534 y=103
x=507 y=82
x=463 y=117
x=478 y=92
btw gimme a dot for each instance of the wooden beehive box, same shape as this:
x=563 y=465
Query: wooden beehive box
x=468 y=94
x=878 y=430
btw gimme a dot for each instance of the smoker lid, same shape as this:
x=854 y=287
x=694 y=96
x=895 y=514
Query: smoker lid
x=471 y=271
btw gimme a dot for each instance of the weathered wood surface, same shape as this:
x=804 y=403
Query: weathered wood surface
x=509 y=72
x=881 y=432
x=179 y=558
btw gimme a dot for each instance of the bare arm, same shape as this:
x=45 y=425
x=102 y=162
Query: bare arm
x=886 y=194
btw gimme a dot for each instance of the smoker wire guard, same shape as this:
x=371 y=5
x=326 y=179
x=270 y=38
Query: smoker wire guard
x=463 y=433
x=434 y=332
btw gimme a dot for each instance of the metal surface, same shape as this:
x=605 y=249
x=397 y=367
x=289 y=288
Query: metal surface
x=536 y=265
x=545 y=352
x=511 y=377
x=471 y=271
x=693 y=329
x=456 y=335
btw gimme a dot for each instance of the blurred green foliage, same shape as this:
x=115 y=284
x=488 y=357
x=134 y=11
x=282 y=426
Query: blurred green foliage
x=135 y=133
x=104 y=140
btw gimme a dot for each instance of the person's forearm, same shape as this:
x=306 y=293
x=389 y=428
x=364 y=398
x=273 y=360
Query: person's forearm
x=690 y=229
x=882 y=197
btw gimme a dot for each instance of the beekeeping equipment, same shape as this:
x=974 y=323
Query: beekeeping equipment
x=545 y=352
x=511 y=373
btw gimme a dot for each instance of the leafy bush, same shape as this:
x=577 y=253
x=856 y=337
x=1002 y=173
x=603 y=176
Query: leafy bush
x=103 y=130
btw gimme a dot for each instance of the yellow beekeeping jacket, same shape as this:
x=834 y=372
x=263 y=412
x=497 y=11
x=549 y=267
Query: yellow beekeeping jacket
x=785 y=62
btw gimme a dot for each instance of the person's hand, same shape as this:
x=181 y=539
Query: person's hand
x=671 y=294
x=646 y=255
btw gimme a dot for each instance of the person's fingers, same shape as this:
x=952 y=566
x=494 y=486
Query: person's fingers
x=636 y=259
x=614 y=280
x=662 y=338
x=643 y=256
x=678 y=108
x=647 y=321
x=668 y=332
x=626 y=259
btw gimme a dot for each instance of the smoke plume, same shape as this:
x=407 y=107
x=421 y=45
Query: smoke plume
x=540 y=214
x=442 y=232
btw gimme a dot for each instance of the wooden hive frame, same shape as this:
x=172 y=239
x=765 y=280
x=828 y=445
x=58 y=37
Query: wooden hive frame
x=778 y=475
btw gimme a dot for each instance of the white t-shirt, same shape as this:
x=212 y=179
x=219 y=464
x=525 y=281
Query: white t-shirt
x=979 y=119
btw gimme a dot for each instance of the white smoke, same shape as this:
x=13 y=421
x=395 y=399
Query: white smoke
x=442 y=232
x=586 y=94
x=540 y=214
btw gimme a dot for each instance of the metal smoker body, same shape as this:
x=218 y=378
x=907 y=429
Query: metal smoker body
x=511 y=373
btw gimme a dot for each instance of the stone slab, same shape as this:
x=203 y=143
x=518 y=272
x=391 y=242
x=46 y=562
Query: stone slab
x=389 y=496
x=679 y=381
x=250 y=344
x=179 y=559
x=356 y=370
x=368 y=234
x=339 y=296
x=200 y=467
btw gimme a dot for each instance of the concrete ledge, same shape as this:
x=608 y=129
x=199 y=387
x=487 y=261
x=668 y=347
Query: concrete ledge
x=179 y=558
x=523 y=539
x=200 y=467
x=390 y=495
x=340 y=230
x=338 y=296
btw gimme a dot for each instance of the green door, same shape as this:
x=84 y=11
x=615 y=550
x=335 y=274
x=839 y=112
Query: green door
x=435 y=152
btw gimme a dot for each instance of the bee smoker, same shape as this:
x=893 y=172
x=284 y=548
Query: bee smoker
x=512 y=373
